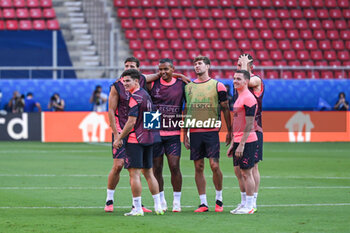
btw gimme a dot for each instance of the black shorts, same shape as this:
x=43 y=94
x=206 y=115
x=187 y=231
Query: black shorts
x=138 y=156
x=169 y=145
x=259 y=147
x=118 y=153
x=248 y=159
x=204 y=145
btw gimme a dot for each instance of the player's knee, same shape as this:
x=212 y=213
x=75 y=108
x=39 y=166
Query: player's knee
x=117 y=168
x=175 y=170
x=199 y=168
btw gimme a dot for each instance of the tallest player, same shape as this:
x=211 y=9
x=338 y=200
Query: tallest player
x=257 y=88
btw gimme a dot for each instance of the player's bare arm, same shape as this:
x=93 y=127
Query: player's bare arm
x=182 y=77
x=126 y=130
x=112 y=107
x=226 y=110
x=255 y=83
x=248 y=127
x=152 y=77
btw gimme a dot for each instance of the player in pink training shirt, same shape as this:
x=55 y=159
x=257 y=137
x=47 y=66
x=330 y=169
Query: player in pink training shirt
x=243 y=145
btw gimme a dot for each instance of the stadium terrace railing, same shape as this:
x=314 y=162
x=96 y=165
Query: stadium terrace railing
x=115 y=71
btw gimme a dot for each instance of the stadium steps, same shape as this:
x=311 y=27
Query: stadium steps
x=83 y=52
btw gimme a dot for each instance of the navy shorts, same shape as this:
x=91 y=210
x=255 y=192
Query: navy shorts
x=138 y=156
x=259 y=147
x=169 y=145
x=118 y=153
x=204 y=145
x=248 y=159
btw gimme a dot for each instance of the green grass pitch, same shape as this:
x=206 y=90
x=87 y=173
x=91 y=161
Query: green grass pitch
x=61 y=187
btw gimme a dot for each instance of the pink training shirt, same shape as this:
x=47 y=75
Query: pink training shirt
x=245 y=105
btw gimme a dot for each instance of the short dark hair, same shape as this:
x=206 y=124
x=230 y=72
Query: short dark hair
x=133 y=59
x=342 y=93
x=166 y=60
x=29 y=94
x=245 y=73
x=133 y=73
x=205 y=59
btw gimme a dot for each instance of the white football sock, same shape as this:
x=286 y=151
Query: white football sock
x=136 y=202
x=243 y=198
x=156 y=199
x=255 y=198
x=203 y=198
x=249 y=203
x=219 y=195
x=177 y=197
x=110 y=195
x=162 y=196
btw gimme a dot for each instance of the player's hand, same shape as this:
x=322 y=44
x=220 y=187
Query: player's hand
x=117 y=143
x=244 y=59
x=239 y=150
x=182 y=77
x=186 y=142
x=228 y=138
x=230 y=151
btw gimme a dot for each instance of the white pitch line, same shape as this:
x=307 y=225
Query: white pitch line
x=184 y=176
x=192 y=187
x=188 y=206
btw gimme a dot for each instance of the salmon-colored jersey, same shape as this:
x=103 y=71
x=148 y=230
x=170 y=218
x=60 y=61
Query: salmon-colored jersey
x=245 y=105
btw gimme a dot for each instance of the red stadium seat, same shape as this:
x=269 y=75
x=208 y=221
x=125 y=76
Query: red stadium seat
x=335 y=14
x=33 y=4
x=35 y=13
x=272 y=75
x=238 y=3
x=278 y=3
x=190 y=13
x=2 y=25
x=298 y=44
x=168 y=23
x=193 y=53
x=283 y=14
x=244 y=44
x=230 y=44
x=150 y=13
x=19 y=3
x=295 y=62
x=139 y=54
x=319 y=34
x=217 y=13
x=262 y=55
x=25 y=25
x=266 y=34
x=321 y=63
x=212 y=34
x=275 y=24
x=176 y=13
x=186 y=3
x=123 y=13
x=221 y=23
x=284 y=44
x=347 y=44
x=328 y=24
x=198 y=34
x=327 y=75
x=330 y=55
x=343 y=3
x=261 y=24
x=243 y=13
x=209 y=53
x=343 y=55
x=11 y=25
x=153 y=23
x=305 y=3
x=270 y=14
x=149 y=44
x=6 y=3
x=291 y=3
x=153 y=55
x=234 y=54
x=49 y=13
x=253 y=34
x=309 y=13
x=235 y=24
x=203 y=13
x=225 y=34
x=340 y=24
x=256 y=13
x=163 y=13
x=181 y=23
x=276 y=55
x=288 y=24
x=248 y=24
x=185 y=34
x=333 y=34
x=306 y=34
x=133 y=3
x=176 y=44
x=230 y=13
x=142 y=23
x=316 y=55
x=289 y=55
x=258 y=44
x=225 y=3
x=162 y=44
x=208 y=23
x=303 y=55
x=127 y=23
x=159 y=3
x=194 y=23
x=315 y=24
x=286 y=74
x=252 y=3
x=172 y=34
x=311 y=45
x=337 y=44
x=199 y=3
x=317 y=3
x=271 y=44
x=296 y=14
x=190 y=44
x=217 y=44
x=345 y=34
x=322 y=13
x=119 y=3
x=299 y=74
x=145 y=34
x=146 y=3
x=239 y=34
x=279 y=34
x=39 y=24
x=166 y=54
x=339 y=74
x=221 y=55
x=267 y=63
x=265 y=3
x=22 y=13
x=301 y=24
x=307 y=63
x=135 y=44
x=203 y=44
x=53 y=24
x=313 y=74
x=324 y=44
x=8 y=13
x=212 y=3
x=293 y=34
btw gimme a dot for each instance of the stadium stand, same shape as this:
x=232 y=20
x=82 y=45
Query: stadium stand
x=276 y=32
x=27 y=15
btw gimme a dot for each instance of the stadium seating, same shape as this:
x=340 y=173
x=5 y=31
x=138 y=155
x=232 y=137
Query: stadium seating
x=276 y=32
x=30 y=15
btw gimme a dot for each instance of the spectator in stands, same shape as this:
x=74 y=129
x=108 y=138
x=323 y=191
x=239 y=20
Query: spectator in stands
x=16 y=103
x=99 y=100
x=342 y=104
x=30 y=104
x=56 y=103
